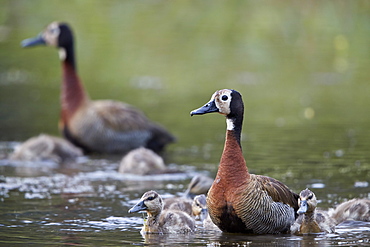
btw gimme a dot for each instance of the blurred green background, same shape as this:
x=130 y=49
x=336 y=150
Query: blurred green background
x=301 y=66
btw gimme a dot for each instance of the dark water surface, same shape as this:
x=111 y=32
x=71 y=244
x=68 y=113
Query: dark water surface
x=303 y=71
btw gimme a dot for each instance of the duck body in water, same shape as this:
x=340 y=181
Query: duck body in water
x=104 y=126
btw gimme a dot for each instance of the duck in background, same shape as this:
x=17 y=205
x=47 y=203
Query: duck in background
x=161 y=220
x=357 y=209
x=239 y=201
x=199 y=184
x=46 y=148
x=310 y=219
x=104 y=126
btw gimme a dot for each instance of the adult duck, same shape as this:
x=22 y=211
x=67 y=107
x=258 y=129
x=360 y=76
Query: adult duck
x=96 y=126
x=160 y=220
x=239 y=201
x=310 y=219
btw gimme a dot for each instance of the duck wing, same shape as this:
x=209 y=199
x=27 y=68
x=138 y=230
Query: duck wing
x=278 y=191
x=120 y=116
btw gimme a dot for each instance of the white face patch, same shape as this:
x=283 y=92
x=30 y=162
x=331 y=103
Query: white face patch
x=223 y=99
x=229 y=124
x=51 y=34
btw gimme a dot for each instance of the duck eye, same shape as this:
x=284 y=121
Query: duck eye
x=150 y=198
x=310 y=197
x=224 y=97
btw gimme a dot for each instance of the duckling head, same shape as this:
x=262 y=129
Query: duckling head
x=151 y=202
x=307 y=202
x=199 y=207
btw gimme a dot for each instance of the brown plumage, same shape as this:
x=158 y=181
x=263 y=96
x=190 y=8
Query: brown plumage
x=239 y=201
x=160 y=220
x=355 y=209
x=46 y=148
x=310 y=219
x=96 y=126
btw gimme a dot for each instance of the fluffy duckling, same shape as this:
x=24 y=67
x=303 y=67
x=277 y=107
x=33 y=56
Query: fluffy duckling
x=104 y=126
x=46 y=148
x=355 y=209
x=311 y=220
x=159 y=220
x=200 y=211
x=199 y=207
x=142 y=161
x=179 y=203
x=239 y=201
x=198 y=185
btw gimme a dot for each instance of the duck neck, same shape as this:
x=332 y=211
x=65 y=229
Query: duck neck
x=152 y=219
x=73 y=95
x=232 y=164
x=309 y=217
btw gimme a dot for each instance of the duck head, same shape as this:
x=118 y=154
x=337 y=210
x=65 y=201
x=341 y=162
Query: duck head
x=227 y=102
x=151 y=202
x=56 y=34
x=307 y=202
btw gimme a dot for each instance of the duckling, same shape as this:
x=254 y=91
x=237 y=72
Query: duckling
x=179 y=203
x=199 y=207
x=355 y=209
x=104 y=126
x=239 y=201
x=46 y=148
x=200 y=211
x=159 y=220
x=311 y=220
x=199 y=184
x=142 y=161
